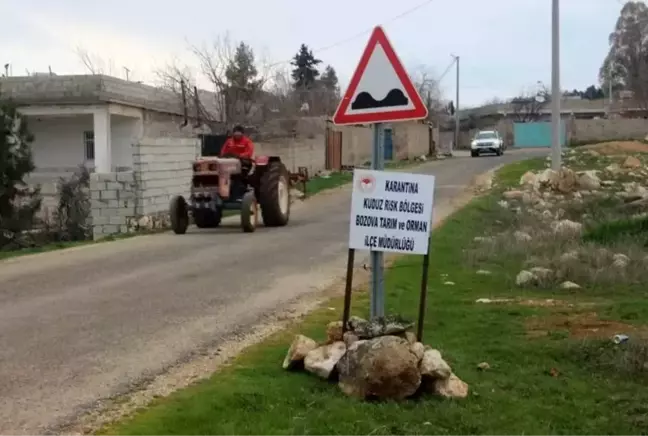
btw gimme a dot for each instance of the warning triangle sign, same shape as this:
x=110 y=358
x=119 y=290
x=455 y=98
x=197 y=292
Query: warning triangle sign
x=380 y=90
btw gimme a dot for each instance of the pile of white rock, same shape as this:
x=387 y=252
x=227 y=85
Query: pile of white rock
x=378 y=359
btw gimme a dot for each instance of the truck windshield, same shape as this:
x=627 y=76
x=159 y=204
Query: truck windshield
x=486 y=135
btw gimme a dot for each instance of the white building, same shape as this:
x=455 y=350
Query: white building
x=94 y=119
x=98 y=121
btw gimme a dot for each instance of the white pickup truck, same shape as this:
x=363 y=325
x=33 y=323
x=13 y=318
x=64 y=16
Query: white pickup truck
x=487 y=141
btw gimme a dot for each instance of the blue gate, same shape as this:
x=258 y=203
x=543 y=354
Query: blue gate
x=537 y=134
x=388 y=143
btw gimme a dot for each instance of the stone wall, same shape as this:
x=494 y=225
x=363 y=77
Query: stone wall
x=162 y=168
x=607 y=129
x=113 y=199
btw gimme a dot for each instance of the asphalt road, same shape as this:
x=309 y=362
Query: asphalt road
x=83 y=324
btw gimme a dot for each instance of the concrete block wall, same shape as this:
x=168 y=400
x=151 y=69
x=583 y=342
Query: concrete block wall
x=356 y=144
x=162 y=168
x=411 y=140
x=295 y=152
x=113 y=198
x=607 y=129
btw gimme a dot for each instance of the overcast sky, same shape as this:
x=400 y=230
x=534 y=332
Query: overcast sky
x=504 y=44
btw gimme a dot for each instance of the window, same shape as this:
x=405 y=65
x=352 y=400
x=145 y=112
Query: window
x=486 y=135
x=88 y=144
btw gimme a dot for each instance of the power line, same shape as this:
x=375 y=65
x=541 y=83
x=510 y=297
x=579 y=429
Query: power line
x=447 y=70
x=364 y=32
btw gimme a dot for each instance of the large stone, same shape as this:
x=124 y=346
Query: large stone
x=350 y=338
x=614 y=169
x=529 y=179
x=525 y=278
x=513 y=195
x=543 y=274
x=522 y=236
x=567 y=181
x=381 y=326
x=384 y=367
x=334 y=332
x=620 y=260
x=631 y=162
x=433 y=366
x=589 y=181
x=567 y=228
x=452 y=387
x=298 y=350
x=322 y=360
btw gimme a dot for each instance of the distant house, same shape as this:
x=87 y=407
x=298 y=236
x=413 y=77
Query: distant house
x=95 y=119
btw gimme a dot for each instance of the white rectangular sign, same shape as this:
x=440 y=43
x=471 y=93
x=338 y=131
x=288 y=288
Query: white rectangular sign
x=391 y=211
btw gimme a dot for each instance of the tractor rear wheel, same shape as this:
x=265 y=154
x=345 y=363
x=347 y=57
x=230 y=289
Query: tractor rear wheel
x=249 y=213
x=207 y=218
x=179 y=214
x=274 y=195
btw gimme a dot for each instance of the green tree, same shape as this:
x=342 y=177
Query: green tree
x=330 y=89
x=242 y=83
x=18 y=202
x=626 y=64
x=305 y=73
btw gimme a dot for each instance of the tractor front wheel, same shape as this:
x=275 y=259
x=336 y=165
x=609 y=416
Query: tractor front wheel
x=207 y=218
x=249 y=213
x=179 y=214
x=274 y=195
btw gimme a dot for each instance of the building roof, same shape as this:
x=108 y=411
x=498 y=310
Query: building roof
x=567 y=105
x=94 y=89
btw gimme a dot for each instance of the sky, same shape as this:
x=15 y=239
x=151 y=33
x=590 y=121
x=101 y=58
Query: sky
x=504 y=45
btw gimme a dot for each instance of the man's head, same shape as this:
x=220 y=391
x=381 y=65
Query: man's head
x=238 y=132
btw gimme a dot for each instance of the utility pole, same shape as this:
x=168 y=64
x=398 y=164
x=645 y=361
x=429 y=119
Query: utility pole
x=456 y=138
x=556 y=152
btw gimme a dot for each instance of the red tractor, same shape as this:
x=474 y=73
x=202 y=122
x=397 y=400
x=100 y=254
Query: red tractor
x=230 y=183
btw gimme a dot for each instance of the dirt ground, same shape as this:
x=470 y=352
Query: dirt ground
x=581 y=325
x=618 y=147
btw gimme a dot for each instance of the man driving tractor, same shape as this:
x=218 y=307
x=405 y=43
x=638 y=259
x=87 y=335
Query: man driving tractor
x=238 y=145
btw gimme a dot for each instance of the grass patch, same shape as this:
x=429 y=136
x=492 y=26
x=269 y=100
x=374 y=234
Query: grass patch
x=41 y=249
x=536 y=385
x=340 y=178
x=509 y=176
x=619 y=230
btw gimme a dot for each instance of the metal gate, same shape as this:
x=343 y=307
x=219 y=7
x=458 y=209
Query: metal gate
x=536 y=134
x=388 y=142
x=333 y=156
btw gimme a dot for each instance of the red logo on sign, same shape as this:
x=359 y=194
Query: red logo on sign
x=367 y=184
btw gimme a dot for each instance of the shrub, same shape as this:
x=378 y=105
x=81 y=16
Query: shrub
x=73 y=214
x=19 y=203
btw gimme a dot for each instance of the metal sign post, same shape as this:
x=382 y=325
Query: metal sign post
x=380 y=91
x=377 y=299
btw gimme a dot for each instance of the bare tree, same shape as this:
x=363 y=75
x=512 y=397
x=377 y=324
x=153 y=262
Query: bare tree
x=528 y=106
x=94 y=63
x=236 y=79
x=427 y=85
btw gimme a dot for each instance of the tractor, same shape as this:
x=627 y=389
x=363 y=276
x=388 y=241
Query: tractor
x=230 y=183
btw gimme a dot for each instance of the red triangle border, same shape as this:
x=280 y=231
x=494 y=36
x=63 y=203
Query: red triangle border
x=419 y=110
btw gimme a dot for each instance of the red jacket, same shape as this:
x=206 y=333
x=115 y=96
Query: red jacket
x=241 y=148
